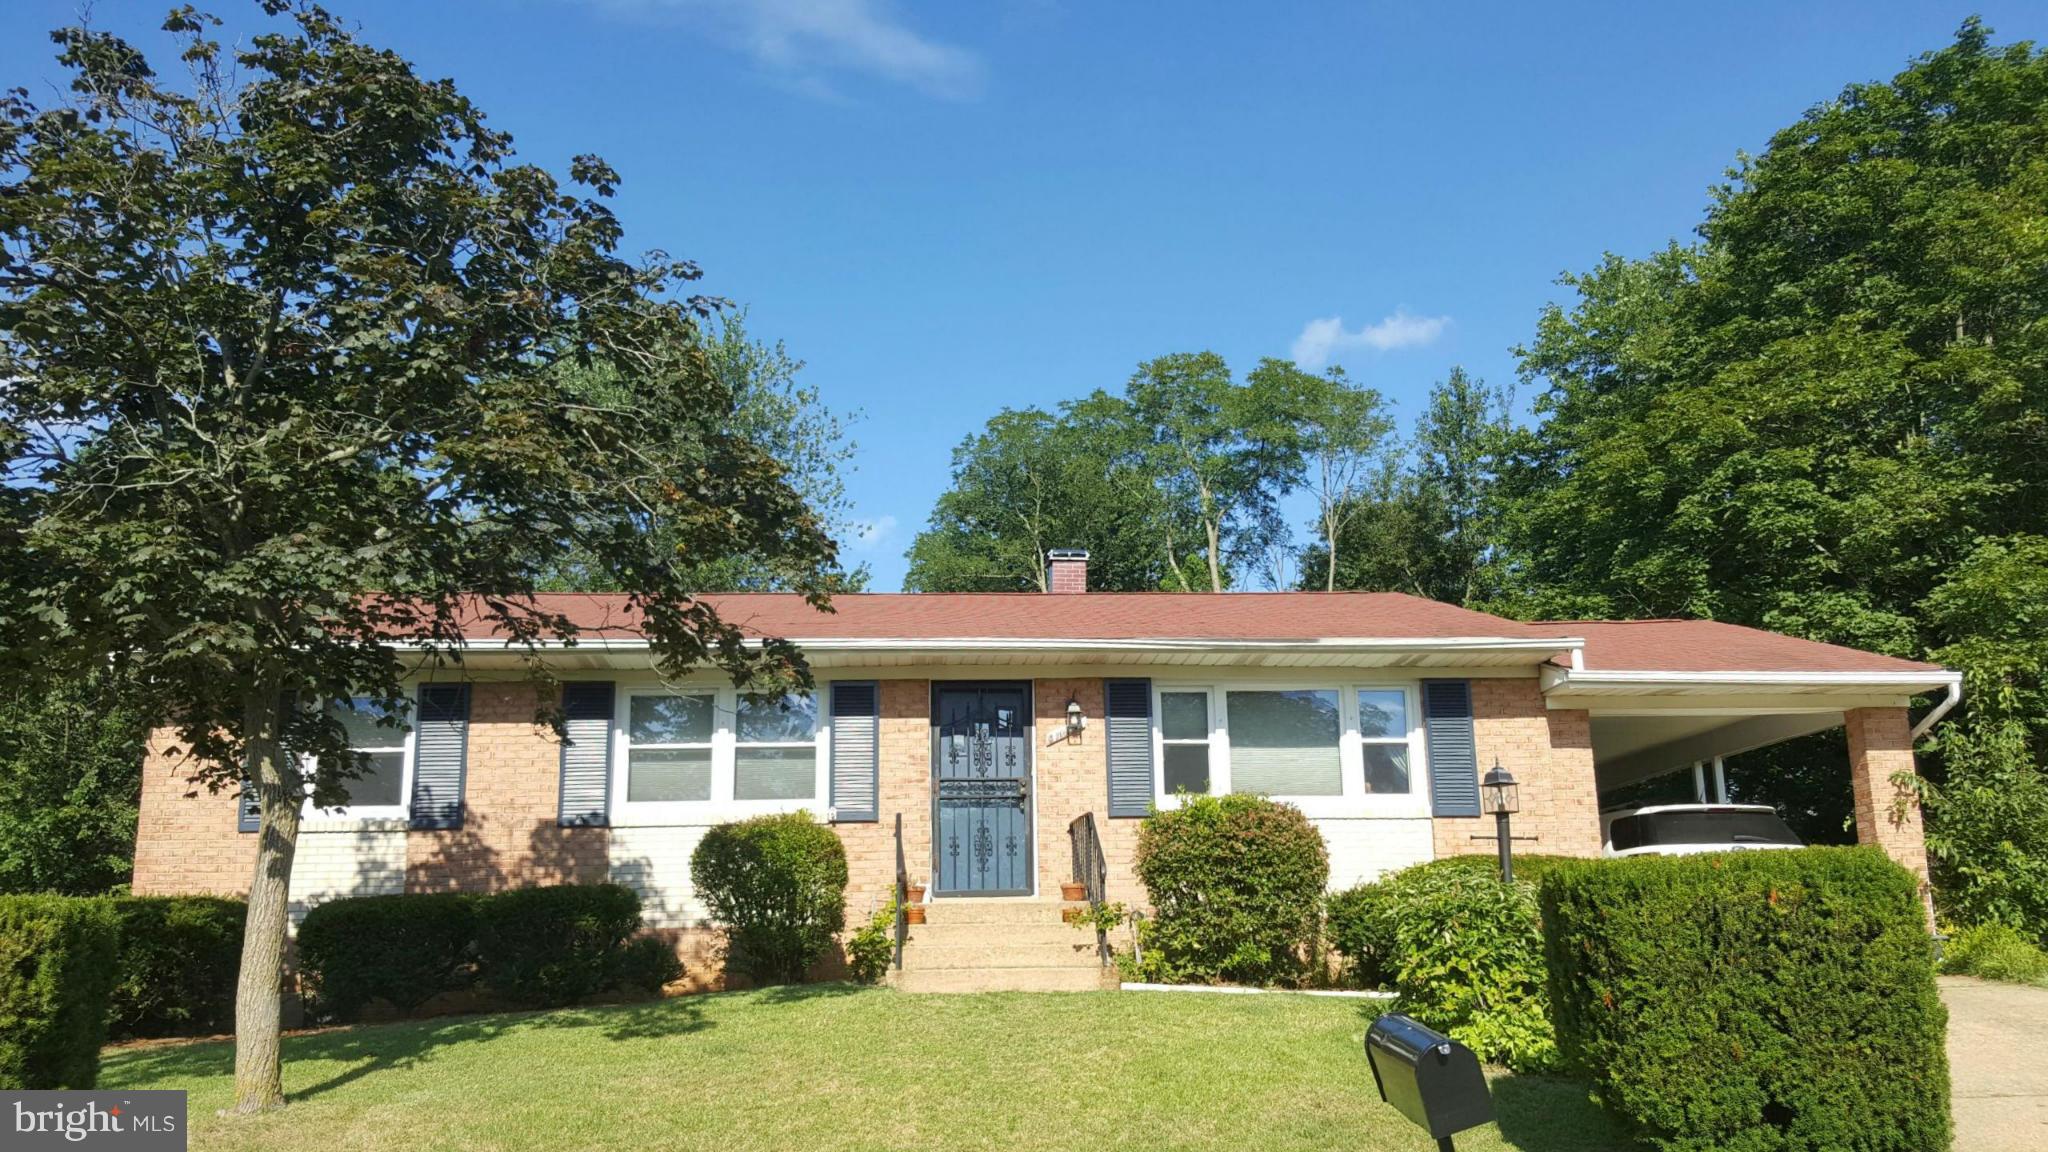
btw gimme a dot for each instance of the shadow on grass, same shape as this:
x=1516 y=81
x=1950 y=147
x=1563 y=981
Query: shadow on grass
x=798 y=993
x=368 y=1049
x=1553 y=1114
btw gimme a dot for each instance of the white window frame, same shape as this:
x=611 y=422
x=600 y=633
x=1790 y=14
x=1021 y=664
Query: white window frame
x=359 y=813
x=722 y=805
x=1354 y=800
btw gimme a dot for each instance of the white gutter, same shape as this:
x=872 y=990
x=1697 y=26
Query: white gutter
x=1542 y=645
x=1948 y=702
x=1576 y=678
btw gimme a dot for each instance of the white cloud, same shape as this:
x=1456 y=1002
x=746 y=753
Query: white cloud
x=872 y=534
x=807 y=41
x=1321 y=340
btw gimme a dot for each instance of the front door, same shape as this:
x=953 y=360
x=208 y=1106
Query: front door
x=981 y=789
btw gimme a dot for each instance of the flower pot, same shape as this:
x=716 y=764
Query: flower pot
x=916 y=893
x=1073 y=892
x=914 y=914
x=1073 y=915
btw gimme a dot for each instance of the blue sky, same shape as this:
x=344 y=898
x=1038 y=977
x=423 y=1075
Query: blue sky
x=951 y=208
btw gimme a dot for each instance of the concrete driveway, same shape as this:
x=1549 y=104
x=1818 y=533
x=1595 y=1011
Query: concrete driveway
x=1997 y=1038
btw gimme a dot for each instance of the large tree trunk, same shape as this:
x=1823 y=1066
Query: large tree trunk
x=1209 y=527
x=1330 y=561
x=259 y=1069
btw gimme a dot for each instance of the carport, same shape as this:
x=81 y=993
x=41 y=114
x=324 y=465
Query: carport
x=1681 y=696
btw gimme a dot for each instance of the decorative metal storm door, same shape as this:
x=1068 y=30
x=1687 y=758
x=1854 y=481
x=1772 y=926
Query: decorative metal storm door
x=981 y=788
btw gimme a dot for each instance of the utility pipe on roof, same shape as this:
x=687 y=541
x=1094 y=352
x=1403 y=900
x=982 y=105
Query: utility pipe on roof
x=1954 y=697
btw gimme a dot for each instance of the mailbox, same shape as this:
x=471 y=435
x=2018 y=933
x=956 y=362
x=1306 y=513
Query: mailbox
x=1429 y=1077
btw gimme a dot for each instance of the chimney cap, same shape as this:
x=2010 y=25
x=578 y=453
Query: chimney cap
x=1067 y=554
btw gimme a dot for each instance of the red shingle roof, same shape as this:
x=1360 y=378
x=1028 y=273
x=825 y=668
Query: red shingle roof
x=1611 y=645
x=1086 y=616
x=1714 y=646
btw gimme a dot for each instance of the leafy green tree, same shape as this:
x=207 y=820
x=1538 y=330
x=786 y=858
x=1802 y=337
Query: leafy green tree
x=1422 y=520
x=1034 y=481
x=1830 y=415
x=1346 y=441
x=1222 y=450
x=771 y=408
x=70 y=777
x=282 y=394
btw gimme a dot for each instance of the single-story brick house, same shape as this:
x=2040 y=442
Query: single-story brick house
x=966 y=734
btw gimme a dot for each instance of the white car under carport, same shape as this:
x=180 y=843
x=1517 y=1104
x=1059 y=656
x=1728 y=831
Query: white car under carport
x=1687 y=829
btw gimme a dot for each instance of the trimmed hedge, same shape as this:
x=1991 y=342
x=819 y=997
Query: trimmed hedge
x=548 y=947
x=179 y=957
x=57 y=956
x=402 y=949
x=1752 y=1001
x=777 y=885
x=1236 y=885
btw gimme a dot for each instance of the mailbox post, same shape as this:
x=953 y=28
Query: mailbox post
x=1428 y=1077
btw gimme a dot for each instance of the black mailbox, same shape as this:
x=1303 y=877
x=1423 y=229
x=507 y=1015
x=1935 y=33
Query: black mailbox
x=1429 y=1077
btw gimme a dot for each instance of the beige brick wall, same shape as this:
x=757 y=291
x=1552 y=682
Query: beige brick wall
x=1550 y=753
x=509 y=837
x=1073 y=778
x=1881 y=746
x=185 y=838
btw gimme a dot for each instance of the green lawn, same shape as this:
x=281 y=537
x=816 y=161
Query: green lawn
x=834 y=1067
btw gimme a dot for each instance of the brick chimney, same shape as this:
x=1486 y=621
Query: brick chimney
x=1067 y=570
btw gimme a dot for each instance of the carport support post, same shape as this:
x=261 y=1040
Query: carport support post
x=1887 y=805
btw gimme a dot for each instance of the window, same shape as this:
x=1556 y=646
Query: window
x=1286 y=743
x=693 y=754
x=668 y=747
x=776 y=757
x=1184 y=742
x=380 y=783
x=1383 y=739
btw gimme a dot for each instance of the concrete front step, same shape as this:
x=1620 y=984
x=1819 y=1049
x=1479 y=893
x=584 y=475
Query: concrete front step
x=1061 y=979
x=1014 y=910
x=996 y=953
x=945 y=934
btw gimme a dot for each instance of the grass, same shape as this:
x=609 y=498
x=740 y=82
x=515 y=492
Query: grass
x=827 y=1067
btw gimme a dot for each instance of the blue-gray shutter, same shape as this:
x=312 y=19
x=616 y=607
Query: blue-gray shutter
x=856 y=751
x=248 y=812
x=440 y=755
x=1453 y=755
x=248 y=809
x=587 y=710
x=1127 y=719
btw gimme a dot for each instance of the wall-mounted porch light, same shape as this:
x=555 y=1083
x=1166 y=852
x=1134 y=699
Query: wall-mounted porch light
x=1499 y=796
x=1076 y=721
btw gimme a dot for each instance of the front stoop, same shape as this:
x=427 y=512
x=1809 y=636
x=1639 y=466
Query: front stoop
x=999 y=945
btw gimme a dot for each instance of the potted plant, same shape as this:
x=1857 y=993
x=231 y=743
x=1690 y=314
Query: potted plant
x=913 y=914
x=1073 y=890
x=916 y=892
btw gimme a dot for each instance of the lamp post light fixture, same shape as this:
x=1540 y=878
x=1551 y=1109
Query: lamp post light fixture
x=1075 y=719
x=1498 y=795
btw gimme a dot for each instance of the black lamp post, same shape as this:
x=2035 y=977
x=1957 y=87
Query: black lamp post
x=1497 y=794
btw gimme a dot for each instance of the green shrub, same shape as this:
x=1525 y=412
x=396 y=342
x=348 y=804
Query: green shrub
x=1465 y=953
x=1236 y=886
x=1995 y=952
x=57 y=956
x=402 y=949
x=1987 y=828
x=548 y=947
x=646 y=964
x=1358 y=923
x=873 y=945
x=178 y=961
x=777 y=885
x=1752 y=1001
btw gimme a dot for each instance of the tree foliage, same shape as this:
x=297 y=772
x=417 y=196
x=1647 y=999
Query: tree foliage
x=283 y=348
x=70 y=779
